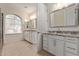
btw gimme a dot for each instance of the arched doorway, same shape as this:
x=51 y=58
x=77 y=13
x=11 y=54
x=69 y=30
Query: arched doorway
x=13 y=28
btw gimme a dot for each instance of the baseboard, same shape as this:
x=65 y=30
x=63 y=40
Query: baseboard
x=28 y=41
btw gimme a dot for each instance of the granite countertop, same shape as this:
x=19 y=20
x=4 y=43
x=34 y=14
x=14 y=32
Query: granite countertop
x=30 y=30
x=65 y=34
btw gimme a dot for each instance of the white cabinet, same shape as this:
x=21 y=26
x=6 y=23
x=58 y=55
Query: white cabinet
x=59 y=47
x=34 y=37
x=26 y=35
x=30 y=36
x=45 y=42
x=51 y=44
x=71 y=46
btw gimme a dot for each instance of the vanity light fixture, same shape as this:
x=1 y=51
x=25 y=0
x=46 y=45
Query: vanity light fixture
x=26 y=20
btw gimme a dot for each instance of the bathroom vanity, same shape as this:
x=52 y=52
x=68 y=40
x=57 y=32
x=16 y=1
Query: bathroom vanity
x=60 y=44
x=30 y=35
x=62 y=38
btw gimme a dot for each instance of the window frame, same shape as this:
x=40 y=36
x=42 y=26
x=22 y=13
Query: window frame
x=5 y=24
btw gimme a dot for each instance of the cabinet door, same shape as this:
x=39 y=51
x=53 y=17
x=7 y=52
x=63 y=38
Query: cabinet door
x=45 y=42
x=71 y=16
x=59 y=47
x=34 y=37
x=30 y=36
x=26 y=35
x=51 y=45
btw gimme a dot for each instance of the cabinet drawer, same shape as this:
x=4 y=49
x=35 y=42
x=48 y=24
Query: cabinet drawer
x=71 y=47
x=69 y=54
x=69 y=39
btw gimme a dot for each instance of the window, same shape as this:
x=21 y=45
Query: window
x=12 y=24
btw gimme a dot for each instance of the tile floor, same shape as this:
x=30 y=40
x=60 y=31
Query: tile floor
x=21 y=48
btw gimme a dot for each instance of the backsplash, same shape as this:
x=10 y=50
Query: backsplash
x=64 y=33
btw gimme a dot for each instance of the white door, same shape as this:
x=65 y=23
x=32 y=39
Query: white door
x=59 y=47
x=45 y=42
x=51 y=44
x=34 y=37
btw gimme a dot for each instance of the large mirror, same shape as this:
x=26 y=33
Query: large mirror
x=31 y=24
x=65 y=17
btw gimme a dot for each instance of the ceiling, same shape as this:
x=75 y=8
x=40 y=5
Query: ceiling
x=27 y=8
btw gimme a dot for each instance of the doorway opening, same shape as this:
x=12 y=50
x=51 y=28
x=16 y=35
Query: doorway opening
x=13 y=28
